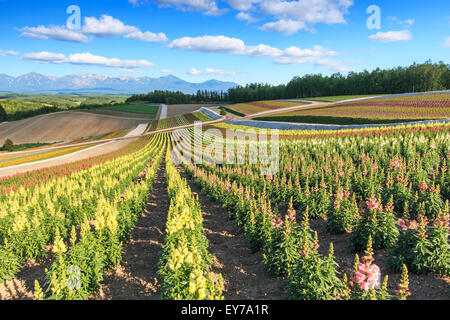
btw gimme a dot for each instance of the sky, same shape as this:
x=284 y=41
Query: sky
x=265 y=41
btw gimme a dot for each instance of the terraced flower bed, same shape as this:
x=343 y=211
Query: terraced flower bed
x=260 y=106
x=383 y=110
x=176 y=121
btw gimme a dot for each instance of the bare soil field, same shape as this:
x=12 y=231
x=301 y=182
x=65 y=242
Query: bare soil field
x=176 y=109
x=63 y=126
x=120 y=114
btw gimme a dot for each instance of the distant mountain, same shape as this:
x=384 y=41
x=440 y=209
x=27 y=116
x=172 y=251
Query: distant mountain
x=38 y=83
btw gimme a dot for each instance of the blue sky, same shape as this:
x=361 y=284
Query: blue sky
x=232 y=40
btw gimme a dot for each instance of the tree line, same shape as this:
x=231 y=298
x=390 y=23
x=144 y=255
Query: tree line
x=178 y=97
x=427 y=76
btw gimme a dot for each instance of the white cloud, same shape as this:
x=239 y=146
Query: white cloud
x=8 y=53
x=86 y=59
x=303 y=12
x=211 y=71
x=147 y=36
x=446 y=43
x=208 y=7
x=263 y=50
x=46 y=57
x=167 y=71
x=391 y=36
x=242 y=4
x=90 y=59
x=286 y=27
x=291 y=55
x=106 y=27
x=295 y=15
x=220 y=72
x=53 y=32
x=195 y=72
x=246 y=17
x=220 y=44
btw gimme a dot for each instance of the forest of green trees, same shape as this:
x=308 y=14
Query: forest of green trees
x=172 y=97
x=415 y=78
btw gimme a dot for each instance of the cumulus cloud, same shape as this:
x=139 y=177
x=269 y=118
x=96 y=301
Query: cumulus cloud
x=220 y=44
x=391 y=36
x=211 y=71
x=46 y=57
x=298 y=13
x=220 y=72
x=54 y=32
x=208 y=7
x=242 y=4
x=295 y=15
x=195 y=72
x=147 y=36
x=291 y=55
x=262 y=50
x=167 y=71
x=86 y=59
x=286 y=27
x=106 y=27
x=246 y=17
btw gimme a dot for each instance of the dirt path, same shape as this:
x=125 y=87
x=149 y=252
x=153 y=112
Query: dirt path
x=22 y=287
x=243 y=271
x=136 y=278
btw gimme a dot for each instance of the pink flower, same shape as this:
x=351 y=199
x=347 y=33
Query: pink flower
x=367 y=276
x=277 y=222
x=373 y=204
x=423 y=186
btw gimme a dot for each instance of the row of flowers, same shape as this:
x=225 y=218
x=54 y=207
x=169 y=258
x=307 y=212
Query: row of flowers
x=31 y=219
x=32 y=179
x=96 y=245
x=290 y=248
x=185 y=265
x=368 y=187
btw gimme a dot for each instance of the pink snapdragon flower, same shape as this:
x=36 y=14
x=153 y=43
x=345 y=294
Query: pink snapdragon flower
x=373 y=203
x=368 y=276
x=277 y=222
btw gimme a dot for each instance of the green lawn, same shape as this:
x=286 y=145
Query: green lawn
x=134 y=108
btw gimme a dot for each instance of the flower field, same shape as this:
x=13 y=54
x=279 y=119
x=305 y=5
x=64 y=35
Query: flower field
x=259 y=106
x=349 y=215
x=6 y=161
x=387 y=194
x=382 y=110
x=176 y=121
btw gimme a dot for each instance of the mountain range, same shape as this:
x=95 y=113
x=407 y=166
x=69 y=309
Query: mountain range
x=92 y=83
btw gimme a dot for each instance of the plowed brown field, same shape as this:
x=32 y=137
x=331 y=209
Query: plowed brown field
x=63 y=126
